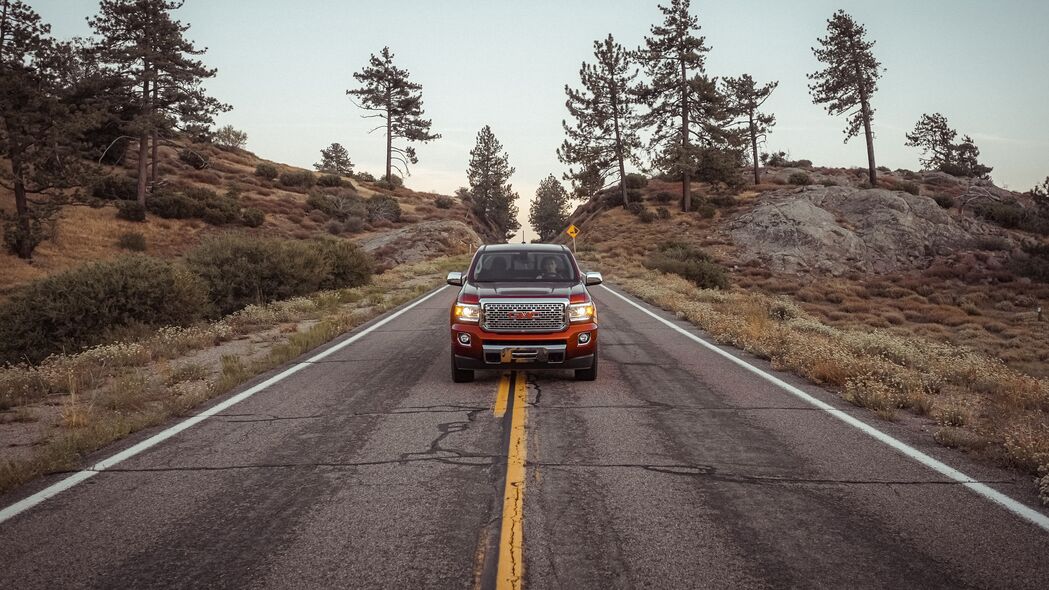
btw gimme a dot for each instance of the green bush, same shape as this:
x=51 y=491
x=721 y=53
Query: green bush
x=252 y=217
x=115 y=188
x=133 y=241
x=195 y=160
x=383 y=207
x=443 y=202
x=197 y=203
x=1004 y=214
x=267 y=171
x=663 y=212
x=364 y=176
x=241 y=270
x=78 y=307
x=131 y=211
x=691 y=263
x=664 y=197
x=172 y=206
x=634 y=207
x=802 y=163
x=646 y=215
x=329 y=180
x=635 y=181
x=1033 y=263
x=723 y=201
x=911 y=187
x=634 y=196
x=349 y=265
x=799 y=179
x=706 y=211
x=297 y=178
x=394 y=183
x=353 y=224
x=829 y=182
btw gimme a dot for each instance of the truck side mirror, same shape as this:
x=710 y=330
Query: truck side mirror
x=455 y=278
x=593 y=278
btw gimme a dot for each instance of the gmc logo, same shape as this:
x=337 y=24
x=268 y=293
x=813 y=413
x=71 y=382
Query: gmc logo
x=522 y=315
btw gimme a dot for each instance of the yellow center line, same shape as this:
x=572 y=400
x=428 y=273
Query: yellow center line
x=510 y=569
x=501 y=396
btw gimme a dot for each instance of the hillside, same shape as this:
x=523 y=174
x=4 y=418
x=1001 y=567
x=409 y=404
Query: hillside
x=912 y=265
x=91 y=229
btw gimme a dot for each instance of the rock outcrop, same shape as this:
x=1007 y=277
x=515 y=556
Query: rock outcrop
x=422 y=241
x=842 y=229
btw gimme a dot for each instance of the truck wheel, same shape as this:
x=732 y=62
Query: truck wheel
x=587 y=374
x=461 y=375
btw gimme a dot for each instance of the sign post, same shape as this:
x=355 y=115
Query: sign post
x=572 y=231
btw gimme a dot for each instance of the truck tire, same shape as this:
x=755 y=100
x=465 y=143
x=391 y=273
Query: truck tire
x=461 y=375
x=587 y=374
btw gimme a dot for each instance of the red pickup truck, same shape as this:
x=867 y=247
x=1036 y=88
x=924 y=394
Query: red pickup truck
x=524 y=306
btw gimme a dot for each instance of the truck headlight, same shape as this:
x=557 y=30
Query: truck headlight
x=467 y=313
x=581 y=312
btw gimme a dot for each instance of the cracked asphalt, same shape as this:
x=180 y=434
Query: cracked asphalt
x=675 y=469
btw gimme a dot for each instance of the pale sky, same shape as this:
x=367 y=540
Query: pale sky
x=285 y=67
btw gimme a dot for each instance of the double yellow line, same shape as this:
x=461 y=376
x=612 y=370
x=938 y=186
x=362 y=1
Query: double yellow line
x=510 y=567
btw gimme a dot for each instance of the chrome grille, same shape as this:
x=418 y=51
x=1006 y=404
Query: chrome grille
x=524 y=316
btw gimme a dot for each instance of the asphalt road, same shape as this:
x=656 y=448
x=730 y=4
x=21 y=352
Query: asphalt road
x=677 y=468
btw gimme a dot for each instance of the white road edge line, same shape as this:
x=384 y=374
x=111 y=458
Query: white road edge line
x=61 y=486
x=1017 y=508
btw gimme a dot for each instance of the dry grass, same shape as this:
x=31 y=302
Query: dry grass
x=981 y=403
x=111 y=391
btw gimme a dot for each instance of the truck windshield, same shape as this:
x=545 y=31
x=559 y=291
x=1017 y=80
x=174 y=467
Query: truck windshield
x=524 y=267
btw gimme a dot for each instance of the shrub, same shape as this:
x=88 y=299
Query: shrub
x=612 y=199
x=131 y=211
x=229 y=137
x=364 y=177
x=78 y=307
x=1033 y=263
x=217 y=210
x=945 y=201
x=829 y=182
x=172 y=206
x=194 y=159
x=115 y=188
x=1004 y=214
x=267 y=171
x=133 y=241
x=664 y=197
x=635 y=181
x=723 y=201
x=383 y=207
x=443 y=202
x=691 y=263
x=646 y=215
x=354 y=223
x=634 y=196
x=801 y=163
x=634 y=207
x=339 y=206
x=252 y=217
x=348 y=264
x=992 y=243
x=884 y=169
x=663 y=212
x=799 y=179
x=241 y=270
x=297 y=178
x=706 y=211
x=911 y=187
x=335 y=227
x=329 y=180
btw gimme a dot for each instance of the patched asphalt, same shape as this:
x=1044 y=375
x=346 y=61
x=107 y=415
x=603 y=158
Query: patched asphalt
x=675 y=469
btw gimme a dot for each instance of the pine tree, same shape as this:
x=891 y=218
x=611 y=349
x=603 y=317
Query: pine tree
x=849 y=79
x=745 y=97
x=686 y=113
x=547 y=213
x=935 y=138
x=489 y=172
x=39 y=124
x=604 y=135
x=335 y=160
x=387 y=94
x=141 y=41
x=967 y=161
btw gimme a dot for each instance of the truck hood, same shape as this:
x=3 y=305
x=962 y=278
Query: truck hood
x=525 y=290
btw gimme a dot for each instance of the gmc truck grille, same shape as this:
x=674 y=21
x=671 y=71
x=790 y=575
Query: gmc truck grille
x=524 y=316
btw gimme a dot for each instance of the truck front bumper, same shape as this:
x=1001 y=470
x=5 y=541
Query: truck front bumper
x=492 y=350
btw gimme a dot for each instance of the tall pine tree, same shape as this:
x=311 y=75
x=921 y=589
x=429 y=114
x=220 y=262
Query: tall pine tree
x=849 y=79
x=548 y=213
x=934 y=136
x=745 y=97
x=387 y=94
x=686 y=113
x=489 y=174
x=147 y=47
x=39 y=123
x=603 y=137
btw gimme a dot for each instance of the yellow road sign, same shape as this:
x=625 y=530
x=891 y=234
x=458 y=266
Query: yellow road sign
x=572 y=231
